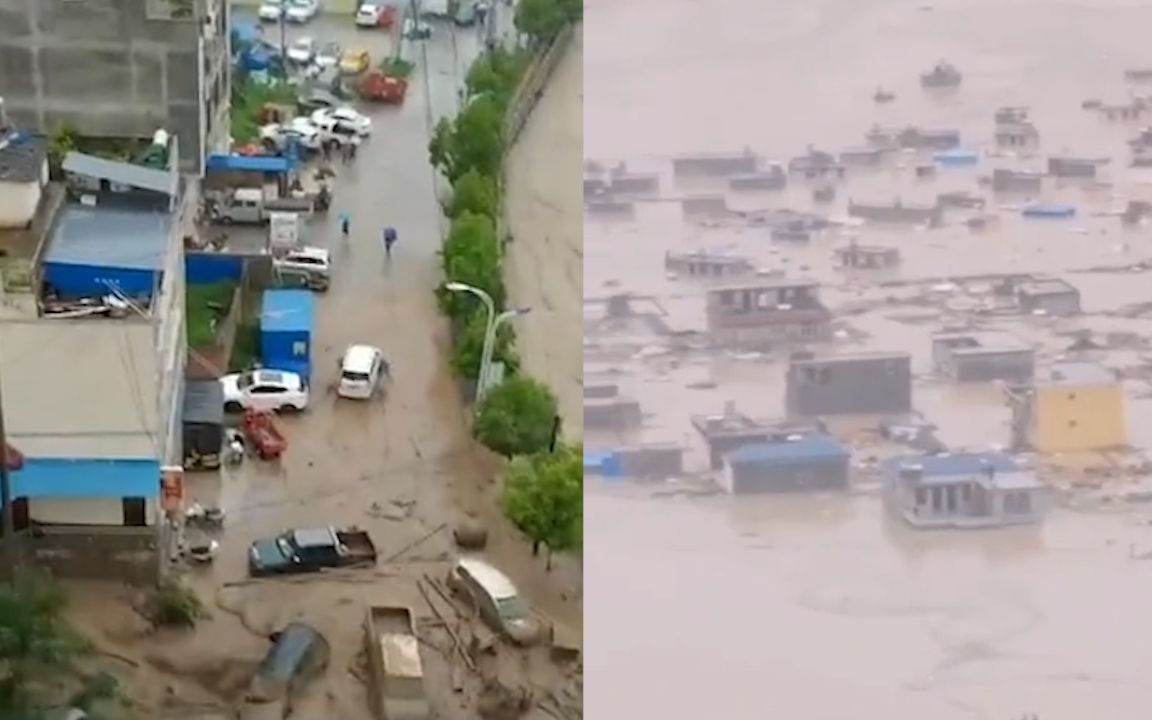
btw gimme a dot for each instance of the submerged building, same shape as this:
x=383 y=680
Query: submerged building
x=1077 y=407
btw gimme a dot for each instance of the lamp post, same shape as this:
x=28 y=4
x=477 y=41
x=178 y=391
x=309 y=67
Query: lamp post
x=490 y=306
x=490 y=348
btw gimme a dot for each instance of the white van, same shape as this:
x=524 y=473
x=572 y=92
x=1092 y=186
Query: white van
x=361 y=369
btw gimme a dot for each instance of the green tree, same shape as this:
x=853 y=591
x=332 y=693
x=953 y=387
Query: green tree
x=470 y=346
x=544 y=497
x=36 y=642
x=471 y=255
x=440 y=147
x=474 y=193
x=477 y=139
x=496 y=73
x=516 y=417
x=540 y=20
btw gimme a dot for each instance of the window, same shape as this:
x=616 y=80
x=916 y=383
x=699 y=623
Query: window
x=299 y=348
x=266 y=390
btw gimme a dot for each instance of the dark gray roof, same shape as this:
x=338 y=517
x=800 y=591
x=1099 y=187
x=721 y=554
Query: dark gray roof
x=21 y=157
x=122 y=173
x=203 y=402
x=106 y=237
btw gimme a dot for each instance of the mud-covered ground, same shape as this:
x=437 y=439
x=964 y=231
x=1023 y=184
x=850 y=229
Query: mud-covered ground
x=545 y=262
x=402 y=466
x=818 y=607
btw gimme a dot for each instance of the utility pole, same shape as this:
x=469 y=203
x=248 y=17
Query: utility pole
x=284 y=40
x=9 y=519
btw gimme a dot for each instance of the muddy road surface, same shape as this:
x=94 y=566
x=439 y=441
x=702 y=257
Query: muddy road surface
x=401 y=466
x=818 y=606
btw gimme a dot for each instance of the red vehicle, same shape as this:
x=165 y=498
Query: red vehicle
x=374 y=15
x=262 y=434
x=379 y=87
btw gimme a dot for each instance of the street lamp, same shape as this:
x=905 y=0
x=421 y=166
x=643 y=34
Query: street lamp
x=490 y=306
x=490 y=349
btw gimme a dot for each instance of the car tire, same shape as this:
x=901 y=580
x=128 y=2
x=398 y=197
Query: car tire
x=233 y=407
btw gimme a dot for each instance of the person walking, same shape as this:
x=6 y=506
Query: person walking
x=389 y=241
x=345 y=224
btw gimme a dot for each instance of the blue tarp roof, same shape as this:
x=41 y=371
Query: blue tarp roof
x=808 y=447
x=107 y=237
x=251 y=163
x=959 y=464
x=287 y=311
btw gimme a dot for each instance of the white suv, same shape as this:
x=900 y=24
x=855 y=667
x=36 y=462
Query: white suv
x=362 y=367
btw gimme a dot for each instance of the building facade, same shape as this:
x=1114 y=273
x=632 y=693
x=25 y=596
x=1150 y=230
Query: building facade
x=1079 y=407
x=864 y=384
x=983 y=357
x=767 y=311
x=120 y=69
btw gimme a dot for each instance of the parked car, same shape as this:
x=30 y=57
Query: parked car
x=270 y=10
x=466 y=15
x=328 y=56
x=264 y=390
x=368 y=15
x=299 y=280
x=317 y=99
x=299 y=130
x=354 y=61
x=301 y=11
x=415 y=29
x=310 y=550
x=496 y=598
x=362 y=367
x=299 y=655
x=316 y=260
x=343 y=118
x=302 y=50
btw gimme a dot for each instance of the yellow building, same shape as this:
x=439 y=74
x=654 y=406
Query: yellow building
x=1080 y=407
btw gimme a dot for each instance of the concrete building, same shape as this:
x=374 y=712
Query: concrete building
x=770 y=310
x=606 y=409
x=707 y=265
x=1048 y=296
x=622 y=182
x=700 y=207
x=983 y=357
x=23 y=175
x=914 y=138
x=732 y=430
x=861 y=384
x=771 y=178
x=1072 y=167
x=1016 y=181
x=716 y=164
x=897 y=213
x=795 y=463
x=967 y=490
x=93 y=396
x=867 y=257
x=1077 y=407
x=1017 y=136
x=120 y=69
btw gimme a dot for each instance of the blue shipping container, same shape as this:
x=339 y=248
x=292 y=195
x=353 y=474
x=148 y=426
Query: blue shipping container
x=286 y=322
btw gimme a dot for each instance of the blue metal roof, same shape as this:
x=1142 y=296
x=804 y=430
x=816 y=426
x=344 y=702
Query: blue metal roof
x=251 y=163
x=952 y=465
x=287 y=311
x=86 y=478
x=108 y=237
x=807 y=447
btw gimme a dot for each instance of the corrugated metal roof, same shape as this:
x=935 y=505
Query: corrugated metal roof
x=81 y=388
x=287 y=311
x=805 y=447
x=122 y=173
x=951 y=465
x=203 y=402
x=107 y=237
x=253 y=163
x=22 y=157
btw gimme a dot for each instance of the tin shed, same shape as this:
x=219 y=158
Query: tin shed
x=286 y=324
x=797 y=463
x=93 y=250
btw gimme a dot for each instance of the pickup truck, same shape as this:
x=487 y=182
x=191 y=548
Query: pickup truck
x=396 y=682
x=311 y=550
x=252 y=206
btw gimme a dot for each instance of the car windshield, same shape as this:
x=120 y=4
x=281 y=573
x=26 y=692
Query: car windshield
x=510 y=608
x=286 y=548
x=354 y=376
x=245 y=380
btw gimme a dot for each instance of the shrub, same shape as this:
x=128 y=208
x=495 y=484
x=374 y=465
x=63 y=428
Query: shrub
x=177 y=605
x=516 y=417
x=544 y=498
x=470 y=345
x=471 y=255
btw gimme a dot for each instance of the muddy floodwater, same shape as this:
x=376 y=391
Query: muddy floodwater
x=820 y=607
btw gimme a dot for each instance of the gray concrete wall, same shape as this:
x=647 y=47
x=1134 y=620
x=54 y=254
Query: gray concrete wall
x=864 y=386
x=130 y=555
x=104 y=67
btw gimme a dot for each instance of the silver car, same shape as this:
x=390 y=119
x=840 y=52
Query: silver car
x=496 y=598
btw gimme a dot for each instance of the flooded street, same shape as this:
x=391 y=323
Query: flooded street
x=402 y=467
x=820 y=606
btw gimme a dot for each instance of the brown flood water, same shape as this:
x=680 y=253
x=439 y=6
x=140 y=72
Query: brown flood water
x=818 y=607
